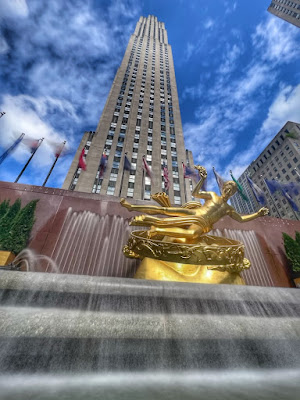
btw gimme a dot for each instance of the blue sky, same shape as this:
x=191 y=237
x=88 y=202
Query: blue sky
x=237 y=70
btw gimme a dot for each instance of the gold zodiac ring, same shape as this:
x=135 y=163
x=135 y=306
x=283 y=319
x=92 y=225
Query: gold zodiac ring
x=217 y=253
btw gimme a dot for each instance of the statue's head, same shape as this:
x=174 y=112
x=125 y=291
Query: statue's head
x=229 y=188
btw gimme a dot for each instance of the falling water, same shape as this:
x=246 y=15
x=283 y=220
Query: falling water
x=87 y=337
x=92 y=244
x=32 y=261
x=258 y=274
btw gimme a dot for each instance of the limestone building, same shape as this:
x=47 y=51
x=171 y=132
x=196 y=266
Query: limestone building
x=141 y=117
x=287 y=10
x=280 y=160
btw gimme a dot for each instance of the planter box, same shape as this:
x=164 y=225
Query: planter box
x=6 y=257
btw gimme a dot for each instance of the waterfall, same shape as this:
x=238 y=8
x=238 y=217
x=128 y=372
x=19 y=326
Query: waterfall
x=92 y=244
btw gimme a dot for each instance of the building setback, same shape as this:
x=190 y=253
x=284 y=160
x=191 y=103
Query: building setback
x=280 y=160
x=141 y=117
x=287 y=10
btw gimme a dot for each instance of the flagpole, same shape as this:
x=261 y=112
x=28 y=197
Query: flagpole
x=12 y=147
x=291 y=207
x=297 y=172
x=143 y=184
x=30 y=158
x=273 y=201
x=120 y=192
x=185 y=194
x=53 y=165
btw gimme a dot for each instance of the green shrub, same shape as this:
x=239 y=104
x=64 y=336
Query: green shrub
x=4 y=206
x=6 y=222
x=16 y=225
x=292 y=249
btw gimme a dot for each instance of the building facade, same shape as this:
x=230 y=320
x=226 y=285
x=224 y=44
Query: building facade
x=280 y=161
x=141 y=117
x=287 y=10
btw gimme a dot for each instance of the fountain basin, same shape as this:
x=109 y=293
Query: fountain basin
x=68 y=329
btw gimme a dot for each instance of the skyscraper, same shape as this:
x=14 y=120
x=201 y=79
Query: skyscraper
x=287 y=10
x=279 y=161
x=141 y=118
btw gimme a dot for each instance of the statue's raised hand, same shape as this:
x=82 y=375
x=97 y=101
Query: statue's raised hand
x=202 y=171
x=263 y=211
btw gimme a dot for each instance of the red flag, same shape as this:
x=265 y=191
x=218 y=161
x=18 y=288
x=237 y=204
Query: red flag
x=32 y=144
x=166 y=177
x=58 y=149
x=82 y=163
x=147 y=168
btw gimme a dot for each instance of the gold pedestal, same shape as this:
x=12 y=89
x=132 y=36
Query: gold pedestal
x=169 y=271
x=213 y=260
x=6 y=257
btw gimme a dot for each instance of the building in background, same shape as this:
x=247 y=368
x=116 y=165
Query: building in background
x=141 y=117
x=280 y=161
x=287 y=10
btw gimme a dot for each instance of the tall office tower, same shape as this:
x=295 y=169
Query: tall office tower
x=287 y=10
x=279 y=161
x=141 y=117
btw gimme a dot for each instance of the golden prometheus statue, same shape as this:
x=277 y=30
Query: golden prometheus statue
x=178 y=248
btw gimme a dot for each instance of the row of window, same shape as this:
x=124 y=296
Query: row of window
x=286 y=10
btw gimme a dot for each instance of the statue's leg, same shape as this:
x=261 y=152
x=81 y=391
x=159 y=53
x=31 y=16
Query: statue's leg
x=175 y=232
x=146 y=220
x=156 y=209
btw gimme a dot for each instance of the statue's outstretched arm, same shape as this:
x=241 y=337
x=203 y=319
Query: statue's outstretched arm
x=245 y=218
x=172 y=211
x=197 y=192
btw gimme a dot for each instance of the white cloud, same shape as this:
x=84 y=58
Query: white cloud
x=209 y=23
x=3 y=46
x=13 y=8
x=230 y=57
x=64 y=65
x=230 y=104
x=25 y=114
x=190 y=48
x=285 y=107
x=230 y=6
x=276 y=40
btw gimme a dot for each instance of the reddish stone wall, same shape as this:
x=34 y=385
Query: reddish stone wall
x=54 y=203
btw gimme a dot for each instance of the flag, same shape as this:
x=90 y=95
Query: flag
x=127 y=164
x=11 y=148
x=147 y=168
x=258 y=193
x=240 y=188
x=82 y=162
x=103 y=165
x=290 y=200
x=190 y=173
x=287 y=189
x=219 y=179
x=58 y=148
x=273 y=186
x=32 y=144
x=166 y=177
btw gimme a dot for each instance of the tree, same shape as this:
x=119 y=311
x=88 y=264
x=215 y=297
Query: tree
x=7 y=220
x=298 y=237
x=292 y=249
x=4 y=206
x=19 y=234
